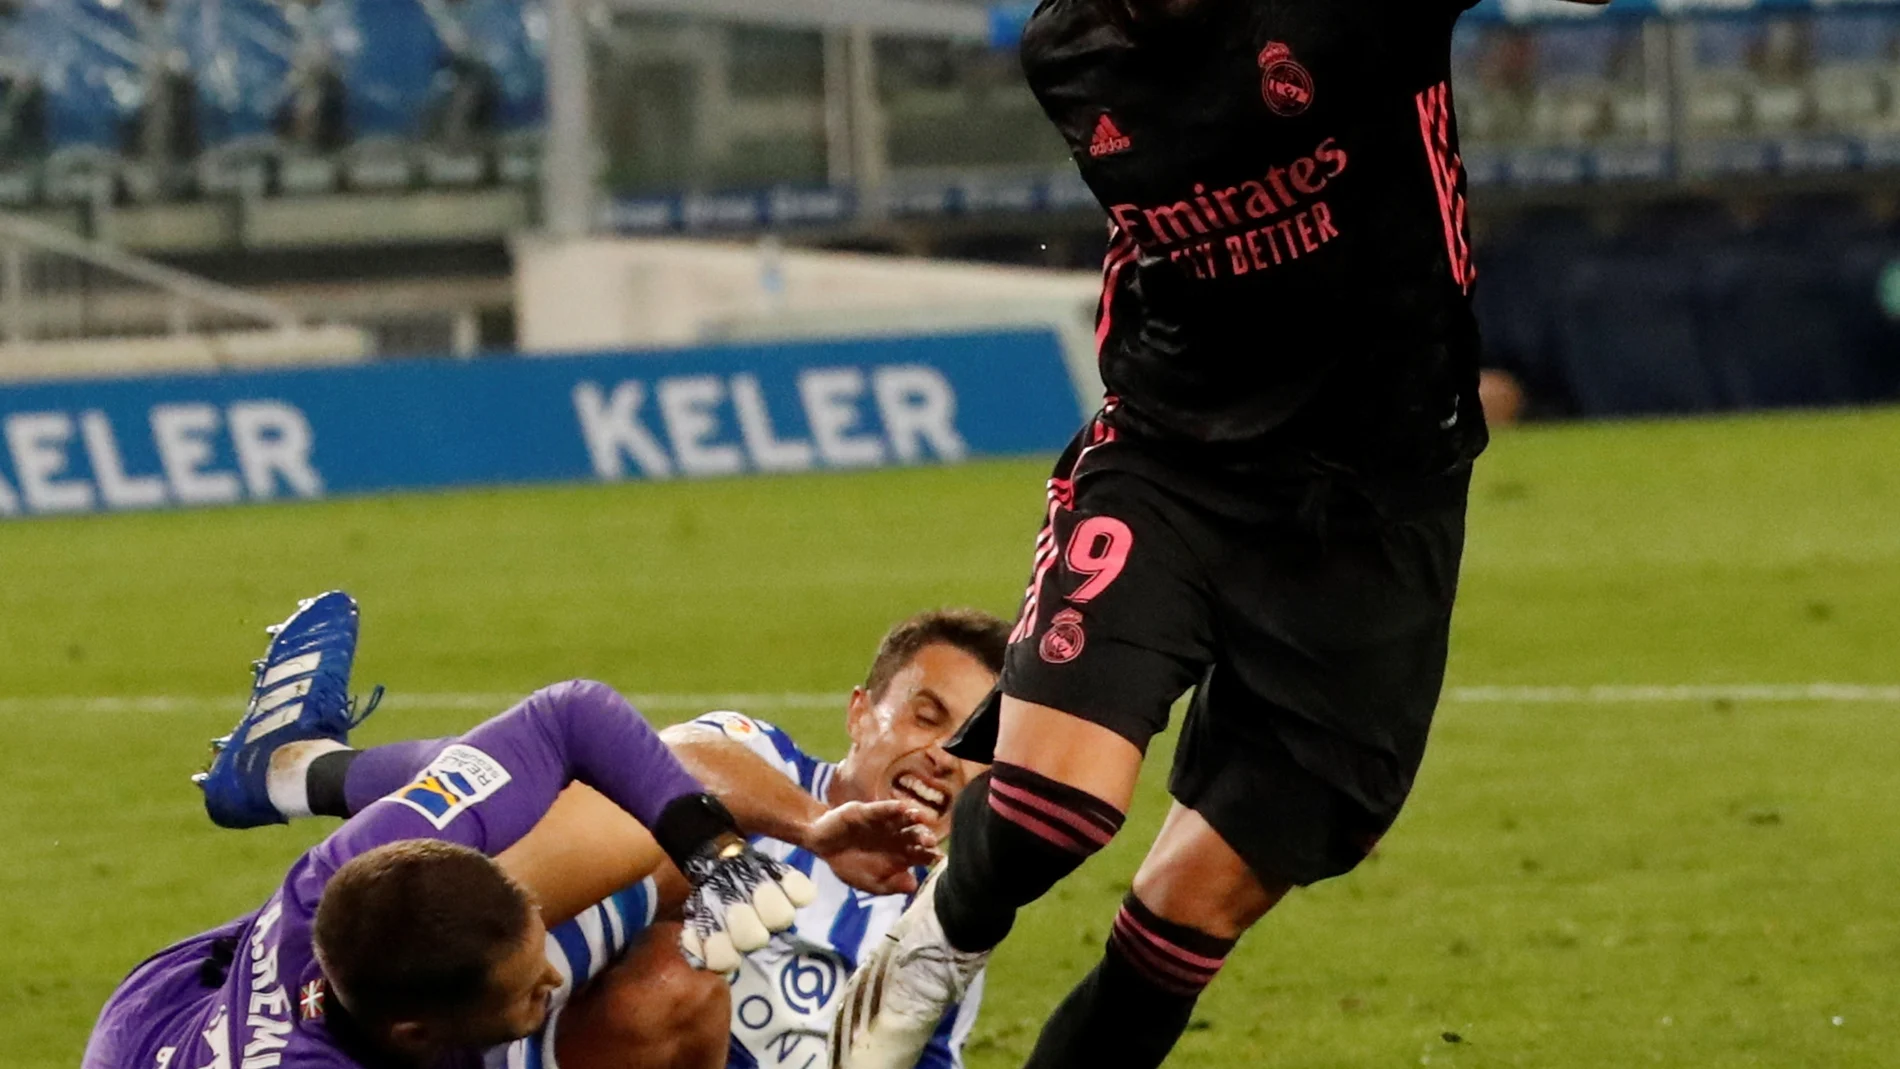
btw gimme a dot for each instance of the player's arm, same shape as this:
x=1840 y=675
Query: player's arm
x=585 y=849
x=870 y=845
x=761 y=798
x=489 y=789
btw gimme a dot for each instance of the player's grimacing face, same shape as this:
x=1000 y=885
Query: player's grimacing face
x=897 y=739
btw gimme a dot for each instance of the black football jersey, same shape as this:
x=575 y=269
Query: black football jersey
x=1289 y=270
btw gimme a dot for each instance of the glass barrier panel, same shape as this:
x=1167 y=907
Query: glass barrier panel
x=1569 y=86
x=958 y=106
x=692 y=105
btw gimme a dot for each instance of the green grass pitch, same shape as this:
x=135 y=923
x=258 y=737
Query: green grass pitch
x=1679 y=883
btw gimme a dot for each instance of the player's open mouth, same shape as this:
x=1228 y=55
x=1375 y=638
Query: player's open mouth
x=932 y=798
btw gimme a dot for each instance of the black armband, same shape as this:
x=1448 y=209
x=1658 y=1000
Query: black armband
x=691 y=823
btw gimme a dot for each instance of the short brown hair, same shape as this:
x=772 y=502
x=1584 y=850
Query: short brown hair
x=973 y=631
x=412 y=929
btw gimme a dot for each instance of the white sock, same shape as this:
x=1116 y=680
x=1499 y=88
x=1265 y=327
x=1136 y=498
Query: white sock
x=287 y=780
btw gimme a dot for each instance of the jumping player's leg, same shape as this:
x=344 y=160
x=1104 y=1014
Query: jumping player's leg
x=1116 y=625
x=1193 y=897
x=1249 y=823
x=1268 y=797
x=1056 y=793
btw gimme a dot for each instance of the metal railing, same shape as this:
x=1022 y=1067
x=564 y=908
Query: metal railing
x=56 y=285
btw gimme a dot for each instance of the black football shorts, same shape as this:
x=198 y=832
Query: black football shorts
x=1310 y=615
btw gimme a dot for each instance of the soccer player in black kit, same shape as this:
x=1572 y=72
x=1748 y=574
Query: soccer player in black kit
x=1269 y=508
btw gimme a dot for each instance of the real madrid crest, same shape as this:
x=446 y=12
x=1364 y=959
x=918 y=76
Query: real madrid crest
x=1284 y=84
x=1063 y=641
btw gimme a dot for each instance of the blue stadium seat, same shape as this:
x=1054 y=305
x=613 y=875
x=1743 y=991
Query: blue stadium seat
x=388 y=52
x=241 y=52
x=1853 y=36
x=90 y=64
x=23 y=117
x=375 y=61
x=1578 y=53
x=1468 y=46
x=90 y=61
x=1627 y=337
x=1855 y=81
x=510 y=37
x=1718 y=87
x=1724 y=44
x=1572 y=97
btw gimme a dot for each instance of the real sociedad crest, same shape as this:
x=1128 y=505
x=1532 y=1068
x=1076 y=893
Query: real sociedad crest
x=1284 y=84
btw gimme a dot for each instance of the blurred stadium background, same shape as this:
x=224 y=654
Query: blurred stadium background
x=255 y=250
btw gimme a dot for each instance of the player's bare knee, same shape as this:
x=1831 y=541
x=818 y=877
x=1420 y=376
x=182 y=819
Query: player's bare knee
x=1223 y=911
x=665 y=996
x=650 y=1011
x=1193 y=877
x=685 y=1001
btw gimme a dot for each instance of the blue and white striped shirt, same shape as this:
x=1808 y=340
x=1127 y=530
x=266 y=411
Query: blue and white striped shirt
x=784 y=997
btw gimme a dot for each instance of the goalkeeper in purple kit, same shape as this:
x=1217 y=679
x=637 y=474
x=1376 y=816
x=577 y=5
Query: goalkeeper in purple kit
x=399 y=940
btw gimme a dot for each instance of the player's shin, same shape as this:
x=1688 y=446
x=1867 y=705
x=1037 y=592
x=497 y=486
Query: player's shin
x=1132 y=1008
x=341 y=781
x=1017 y=834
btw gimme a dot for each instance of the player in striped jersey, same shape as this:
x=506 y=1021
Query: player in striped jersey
x=647 y=1009
x=785 y=996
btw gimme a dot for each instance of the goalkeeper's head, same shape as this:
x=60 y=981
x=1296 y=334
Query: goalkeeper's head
x=430 y=947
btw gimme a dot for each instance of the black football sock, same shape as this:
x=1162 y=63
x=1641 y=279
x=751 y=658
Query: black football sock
x=1016 y=834
x=341 y=783
x=324 y=782
x=1132 y=1008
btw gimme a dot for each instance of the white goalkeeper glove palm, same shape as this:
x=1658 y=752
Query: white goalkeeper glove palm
x=739 y=897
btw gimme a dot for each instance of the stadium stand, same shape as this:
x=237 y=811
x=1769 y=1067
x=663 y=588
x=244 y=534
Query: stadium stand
x=1690 y=308
x=88 y=63
x=1856 y=77
x=243 y=54
x=379 y=156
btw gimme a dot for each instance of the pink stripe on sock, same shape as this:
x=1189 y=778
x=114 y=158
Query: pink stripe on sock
x=1159 y=955
x=1187 y=956
x=1080 y=824
x=1029 y=823
x=1159 y=969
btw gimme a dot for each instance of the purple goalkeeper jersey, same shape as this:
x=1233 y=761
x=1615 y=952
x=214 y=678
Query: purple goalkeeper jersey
x=249 y=995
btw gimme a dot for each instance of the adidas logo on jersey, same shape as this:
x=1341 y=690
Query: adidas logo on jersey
x=1108 y=139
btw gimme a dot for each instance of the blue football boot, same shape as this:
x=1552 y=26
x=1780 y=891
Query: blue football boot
x=299 y=692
